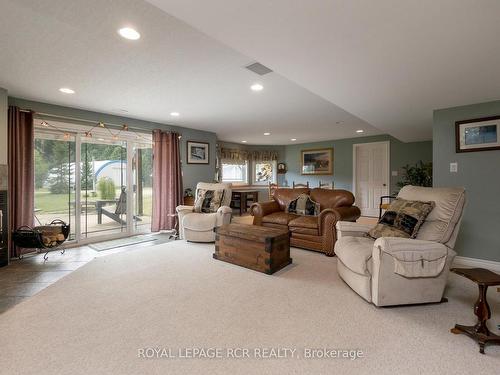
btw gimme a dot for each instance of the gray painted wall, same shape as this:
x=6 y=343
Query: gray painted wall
x=401 y=154
x=192 y=174
x=479 y=173
x=3 y=126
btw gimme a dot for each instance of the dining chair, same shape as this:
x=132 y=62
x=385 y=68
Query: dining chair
x=326 y=185
x=299 y=185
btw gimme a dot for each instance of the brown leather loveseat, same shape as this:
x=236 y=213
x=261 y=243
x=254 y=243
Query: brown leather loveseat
x=308 y=232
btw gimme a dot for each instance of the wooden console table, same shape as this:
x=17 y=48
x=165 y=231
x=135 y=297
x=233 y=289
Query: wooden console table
x=479 y=332
x=243 y=196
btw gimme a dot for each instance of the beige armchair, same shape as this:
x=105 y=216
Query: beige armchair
x=199 y=227
x=399 y=271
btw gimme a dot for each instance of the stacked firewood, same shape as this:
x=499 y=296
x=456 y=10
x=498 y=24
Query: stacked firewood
x=51 y=235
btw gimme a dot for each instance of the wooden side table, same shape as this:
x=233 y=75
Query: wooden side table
x=479 y=332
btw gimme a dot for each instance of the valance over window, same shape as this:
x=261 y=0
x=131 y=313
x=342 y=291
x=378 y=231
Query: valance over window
x=234 y=156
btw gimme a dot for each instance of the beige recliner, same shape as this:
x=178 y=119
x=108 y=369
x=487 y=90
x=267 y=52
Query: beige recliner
x=399 y=271
x=199 y=227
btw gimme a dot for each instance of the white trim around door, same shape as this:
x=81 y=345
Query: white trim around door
x=374 y=210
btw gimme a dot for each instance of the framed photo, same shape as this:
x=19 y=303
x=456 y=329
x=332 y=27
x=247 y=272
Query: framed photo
x=281 y=168
x=317 y=162
x=480 y=134
x=264 y=172
x=198 y=152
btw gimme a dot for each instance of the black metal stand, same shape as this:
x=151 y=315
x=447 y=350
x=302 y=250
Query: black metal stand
x=45 y=257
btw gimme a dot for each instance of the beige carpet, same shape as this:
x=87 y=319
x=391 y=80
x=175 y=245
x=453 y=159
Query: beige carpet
x=175 y=295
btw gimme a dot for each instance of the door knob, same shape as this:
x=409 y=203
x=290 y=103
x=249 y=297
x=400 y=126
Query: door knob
x=384 y=184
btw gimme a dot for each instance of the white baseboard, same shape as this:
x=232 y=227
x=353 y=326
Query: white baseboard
x=476 y=263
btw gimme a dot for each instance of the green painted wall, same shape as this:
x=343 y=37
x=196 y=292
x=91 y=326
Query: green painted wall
x=479 y=173
x=192 y=174
x=401 y=154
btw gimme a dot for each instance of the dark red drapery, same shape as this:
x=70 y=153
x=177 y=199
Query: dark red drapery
x=21 y=171
x=167 y=180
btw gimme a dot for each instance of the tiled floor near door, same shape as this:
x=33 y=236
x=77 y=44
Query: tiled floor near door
x=24 y=278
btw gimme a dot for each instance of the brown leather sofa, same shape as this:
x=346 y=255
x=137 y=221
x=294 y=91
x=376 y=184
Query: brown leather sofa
x=308 y=232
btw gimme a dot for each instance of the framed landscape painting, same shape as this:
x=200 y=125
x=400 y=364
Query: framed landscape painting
x=317 y=162
x=480 y=134
x=198 y=152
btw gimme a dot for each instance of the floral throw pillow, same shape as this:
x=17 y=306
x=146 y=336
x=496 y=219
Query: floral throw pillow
x=403 y=218
x=208 y=200
x=303 y=205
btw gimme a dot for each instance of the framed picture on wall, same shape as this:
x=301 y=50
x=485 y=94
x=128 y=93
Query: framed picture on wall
x=480 y=134
x=317 y=161
x=198 y=152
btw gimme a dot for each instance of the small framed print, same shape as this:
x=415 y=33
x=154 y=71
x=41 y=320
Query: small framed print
x=480 y=134
x=281 y=168
x=198 y=152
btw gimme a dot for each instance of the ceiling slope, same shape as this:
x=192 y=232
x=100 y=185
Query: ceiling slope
x=173 y=67
x=389 y=62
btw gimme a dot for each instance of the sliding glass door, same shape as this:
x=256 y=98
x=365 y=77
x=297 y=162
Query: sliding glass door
x=55 y=179
x=143 y=186
x=103 y=208
x=100 y=183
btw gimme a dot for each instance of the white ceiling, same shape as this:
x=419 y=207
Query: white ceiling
x=50 y=44
x=389 y=62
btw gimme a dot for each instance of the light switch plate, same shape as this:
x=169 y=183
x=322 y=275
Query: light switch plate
x=454 y=167
x=394 y=173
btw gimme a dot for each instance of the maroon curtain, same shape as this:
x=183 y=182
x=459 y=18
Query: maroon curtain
x=167 y=180
x=21 y=171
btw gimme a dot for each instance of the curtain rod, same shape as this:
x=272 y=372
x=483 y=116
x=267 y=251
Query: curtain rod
x=118 y=126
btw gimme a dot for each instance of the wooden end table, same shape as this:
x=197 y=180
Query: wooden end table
x=479 y=332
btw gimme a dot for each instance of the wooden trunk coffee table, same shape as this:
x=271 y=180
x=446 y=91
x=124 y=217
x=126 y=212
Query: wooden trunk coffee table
x=479 y=332
x=259 y=248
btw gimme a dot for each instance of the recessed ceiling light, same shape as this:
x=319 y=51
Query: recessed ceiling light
x=129 y=33
x=67 y=90
x=293 y=139
x=175 y=114
x=360 y=131
x=243 y=141
x=257 y=87
x=267 y=133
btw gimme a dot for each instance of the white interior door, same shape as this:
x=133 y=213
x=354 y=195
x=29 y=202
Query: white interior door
x=371 y=175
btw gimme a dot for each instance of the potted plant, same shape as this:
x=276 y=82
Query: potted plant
x=418 y=175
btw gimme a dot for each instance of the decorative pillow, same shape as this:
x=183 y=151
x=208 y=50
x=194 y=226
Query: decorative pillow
x=303 y=205
x=208 y=200
x=402 y=219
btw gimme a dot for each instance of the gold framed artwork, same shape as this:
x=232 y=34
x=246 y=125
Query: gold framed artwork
x=317 y=161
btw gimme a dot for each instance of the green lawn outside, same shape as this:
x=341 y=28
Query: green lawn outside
x=58 y=203
x=51 y=203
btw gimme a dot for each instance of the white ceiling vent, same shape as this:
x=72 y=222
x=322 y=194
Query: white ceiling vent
x=258 y=68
